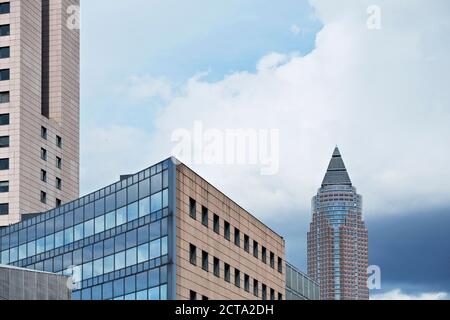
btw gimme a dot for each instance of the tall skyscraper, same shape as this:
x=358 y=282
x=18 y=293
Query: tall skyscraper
x=338 y=238
x=39 y=107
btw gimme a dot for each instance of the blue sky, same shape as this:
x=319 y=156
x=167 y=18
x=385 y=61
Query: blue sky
x=309 y=68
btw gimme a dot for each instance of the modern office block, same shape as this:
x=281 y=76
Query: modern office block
x=163 y=233
x=338 y=238
x=39 y=107
x=299 y=286
x=23 y=284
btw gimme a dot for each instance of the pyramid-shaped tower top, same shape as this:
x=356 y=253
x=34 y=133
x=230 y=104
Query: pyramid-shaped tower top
x=337 y=173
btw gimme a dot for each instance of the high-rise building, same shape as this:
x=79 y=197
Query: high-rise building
x=163 y=233
x=338 y=238
x=39 y=107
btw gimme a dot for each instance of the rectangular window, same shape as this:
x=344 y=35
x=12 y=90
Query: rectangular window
x=58 y=162
x=5 y=8
x=237 y=237
x=59 y=142
x=226 y=231
x=227 y=275
x=255 y=249
x=43 y=197
x=58 y=203
x=44 y=133
x=4 y=142
x=272 y=260
x=193 y=254
x=246 y=243
x=58 y=183
x=272 y=294
x=280 y=296
x=255 y=288
x=192 y=208
x=43 y=154
x=4 y=186
x=4 y=74
x=237 y=278
x=4 y=209
x=4 y=52
x=280 y=265
x=216 y=267
x=4 y=97
x=43 y=175
x=192 y=295
x=247 y=282
x=205 y=261
x=216 y=224
x=205 y=216
x=264 y=254
x=264 y=292
x=4 y=164
x=5 y=30
x=4 y=119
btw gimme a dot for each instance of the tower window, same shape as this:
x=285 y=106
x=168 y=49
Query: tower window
x=4 y=119
x=44 y=133
x=216 y=267
x=43 y=197
x=192 y=208
x=5 y=8
x=237 y=278
x=205 y=261
x=226 y=230
x=58 y=183
x=5 y=30
x=58 y=162
x=44 y=175
x=246 y=243
x=4 y=142
x=59 y=142
x=4 y=74
x=193 y=254
x=4 y=186
x=227 y=276
x=216 y=224
x=4 y=209
x=43 y=154
x=4 y=97
x=4 y=164
x=58 y=203
x=255 y=249
x=4 y=52
x=237 y=237
x=205 y=216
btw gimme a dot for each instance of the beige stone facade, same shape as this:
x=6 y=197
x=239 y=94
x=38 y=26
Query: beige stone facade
x=43 y=93
x=193 y=279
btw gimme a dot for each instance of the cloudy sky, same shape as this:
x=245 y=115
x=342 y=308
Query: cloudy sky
x=314 y=71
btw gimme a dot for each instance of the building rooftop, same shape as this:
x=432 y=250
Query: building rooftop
x=336 y=173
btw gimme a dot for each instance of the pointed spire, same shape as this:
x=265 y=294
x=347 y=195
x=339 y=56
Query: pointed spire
x=337 y=173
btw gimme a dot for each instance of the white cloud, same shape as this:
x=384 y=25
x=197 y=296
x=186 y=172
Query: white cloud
x=145 y=88
x=381 y=95
x=397 y=294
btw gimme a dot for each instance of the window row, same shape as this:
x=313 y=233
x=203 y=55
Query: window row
x=51 y=236
x=44 y=135
x=237 y=278
x=237 y=236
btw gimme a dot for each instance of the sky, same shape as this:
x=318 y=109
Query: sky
x=320 y=72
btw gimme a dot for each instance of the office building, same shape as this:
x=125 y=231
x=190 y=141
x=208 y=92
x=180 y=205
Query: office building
x=338 y=238
x=299 y=286
x=39 y=107
x=163 y=233
x=23 y=284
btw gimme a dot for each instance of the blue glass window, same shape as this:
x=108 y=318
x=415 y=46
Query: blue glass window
x=132 y=193
x=110 y=220
x=165 y=197
x=49 y=242
x=68 y=236
x=156 y=184
x=22 y=251
x=121 y=216
x=155 y=230
x=78 y=232
x=31 y=248
x=40 y=246
x=89 y=228
x=156 y=202
x=100 y=207
x=131 y=257
x=143 y=234
x=118 y=287
x=119 y=260
x=164 y=246
x=121 y=198
x=130 y=284
x=144 y=207
x=142 y=281
x=89 y=211
x=120 y=243
x=97 y=293
x=108 y=264
x=68 y=219
x=141 y=295
x=153 y=293
x=144 y=188
x=143 y=253
x=133 y=212
x=155 y=249
x=59 y=239
x=87 y=270
x=153 y=278
x=99 y=224
x=107 y=290
x=98 y=267
x=111 y=202
x=163 y=292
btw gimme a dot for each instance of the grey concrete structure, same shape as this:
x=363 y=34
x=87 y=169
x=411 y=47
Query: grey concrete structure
x=24 y=284
x=299 y=286
x=39 y=106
